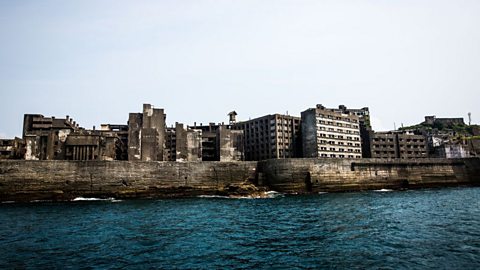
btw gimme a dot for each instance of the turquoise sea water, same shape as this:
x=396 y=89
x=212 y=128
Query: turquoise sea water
x=421 y=229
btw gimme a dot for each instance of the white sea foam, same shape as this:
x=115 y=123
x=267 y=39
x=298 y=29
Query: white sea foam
x=383 y=190
x=213 y=196
x=264 y=195
x=82 y=199
x=322 y=192
x=274 y=194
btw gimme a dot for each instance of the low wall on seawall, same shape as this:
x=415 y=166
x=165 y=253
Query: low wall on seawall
x=22 y=180
x=333 y=175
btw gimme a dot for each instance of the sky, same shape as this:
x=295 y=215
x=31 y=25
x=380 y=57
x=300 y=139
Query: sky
x=97 y=61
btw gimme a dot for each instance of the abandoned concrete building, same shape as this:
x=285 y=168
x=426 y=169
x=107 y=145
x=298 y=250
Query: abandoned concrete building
x=220 y=142
x=330 y=133
x=271 y=136
x=398 y=144
x=146 y=134
x=11 y=148
x=320 y=132
x=45 y=137
x=50 y=138
x=433 y=120
x=364 y=123
x=183 y=144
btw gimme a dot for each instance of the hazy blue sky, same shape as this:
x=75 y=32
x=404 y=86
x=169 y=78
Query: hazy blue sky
x=99 y=60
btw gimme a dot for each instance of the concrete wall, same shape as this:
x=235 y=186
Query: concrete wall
x=309 y=134
x=315 y=175
x=65 y=180
x=188 y=143
x=229 y=144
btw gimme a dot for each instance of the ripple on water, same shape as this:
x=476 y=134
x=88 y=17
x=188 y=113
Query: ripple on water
x=436 y=228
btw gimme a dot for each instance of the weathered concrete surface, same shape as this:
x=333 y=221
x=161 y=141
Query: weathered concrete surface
x=64 y=180
x=332 y=175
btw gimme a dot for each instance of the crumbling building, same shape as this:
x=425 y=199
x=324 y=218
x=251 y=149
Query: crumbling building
x=221 y=142
x=45 y=137
x=398 y=144
x=12 y=148
x=146 y=134
x=271 y=136
x=328 y=133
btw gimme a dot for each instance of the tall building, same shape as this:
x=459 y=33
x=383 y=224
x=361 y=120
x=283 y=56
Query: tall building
x=271 y=136
x=398 y=144
x=330 y=133
x=188 y=143
x=365 y=126
x=220 y=142
x=146 y=134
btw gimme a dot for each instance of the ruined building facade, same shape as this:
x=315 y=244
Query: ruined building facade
x=45 y=137
x=320 y=132
x=146 y=134
x=327 y=133
x=271 y=136
x=398 y=144
x=220 y=142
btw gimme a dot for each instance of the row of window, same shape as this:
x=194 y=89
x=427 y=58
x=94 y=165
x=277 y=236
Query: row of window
x=324 y=135
x=401 y=146
x=338 y=130
x=337 y=124
x=339 y=143
x=401 y=152
x=340 y=156
x=338 y=118
x=400 y=140
x=333 y=149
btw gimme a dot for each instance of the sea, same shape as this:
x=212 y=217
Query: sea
x=383 y=229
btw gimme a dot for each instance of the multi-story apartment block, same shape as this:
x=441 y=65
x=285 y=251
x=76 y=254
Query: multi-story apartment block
x=398 y=144
x=271 y=136
x=364 y=123
x=330 y=133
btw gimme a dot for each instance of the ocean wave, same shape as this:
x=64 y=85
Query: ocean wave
x=263 y=195
x=383 y=190
x=82 y=199
x=213 y=196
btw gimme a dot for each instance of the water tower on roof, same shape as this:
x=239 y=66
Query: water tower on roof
x=232 y=117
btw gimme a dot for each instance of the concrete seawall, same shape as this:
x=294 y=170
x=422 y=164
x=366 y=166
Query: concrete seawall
x=333 y=175
x=64 y=180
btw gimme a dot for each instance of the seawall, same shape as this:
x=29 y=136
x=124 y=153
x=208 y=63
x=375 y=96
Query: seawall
x=22 y=180
x=64 y=180
x=334 y=175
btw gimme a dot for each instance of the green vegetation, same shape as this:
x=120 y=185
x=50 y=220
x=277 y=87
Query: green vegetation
x=465 y=130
